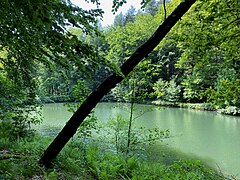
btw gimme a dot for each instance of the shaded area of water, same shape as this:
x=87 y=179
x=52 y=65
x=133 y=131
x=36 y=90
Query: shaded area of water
x=208 y=135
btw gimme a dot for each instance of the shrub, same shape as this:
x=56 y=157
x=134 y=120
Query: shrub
x=167 y=91
x=231 y=110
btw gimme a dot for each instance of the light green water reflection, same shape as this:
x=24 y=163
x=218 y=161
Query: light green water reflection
x=206 y=134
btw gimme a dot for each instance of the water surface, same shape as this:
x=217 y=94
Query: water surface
x=208 y=135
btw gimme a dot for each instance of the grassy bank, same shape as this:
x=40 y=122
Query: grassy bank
x=78 y=160
x=228 y=110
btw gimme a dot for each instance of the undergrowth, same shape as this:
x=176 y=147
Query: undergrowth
x=19 y=160
x=87 y=156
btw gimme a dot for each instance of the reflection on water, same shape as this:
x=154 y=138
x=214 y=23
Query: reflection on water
x=206 y=134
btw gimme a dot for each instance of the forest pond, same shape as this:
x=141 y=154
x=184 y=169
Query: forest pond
x=207 y=135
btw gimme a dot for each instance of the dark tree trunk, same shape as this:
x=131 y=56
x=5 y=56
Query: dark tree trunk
x=72 y=125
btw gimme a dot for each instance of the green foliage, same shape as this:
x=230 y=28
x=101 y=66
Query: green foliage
x=122 y=20
x=119 y=127
x=160 y=88
x=36 y=45
x=18 y=108
x=179 y=170
x=106 y=165
x=226 y=91
x=20 y=121
x=86 y=129
x=167 y=91
x=19 y=158
x=152 y=7
x=192 y=89
x=114 y=166
x=94 y=161
x=209 y=41
x=202 y=50
x=168 y=55
x=124 y=38
x=54 y=86
x=38 y=30
x=228 y=96
x=6 y=130
x=117 y=136
x=173 y=91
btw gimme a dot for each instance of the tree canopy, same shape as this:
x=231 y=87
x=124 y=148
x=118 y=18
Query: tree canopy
x=36 y=32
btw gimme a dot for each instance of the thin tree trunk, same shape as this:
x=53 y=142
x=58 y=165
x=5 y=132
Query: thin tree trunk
x=133 y=95
x=130 y=127
x=75 y=121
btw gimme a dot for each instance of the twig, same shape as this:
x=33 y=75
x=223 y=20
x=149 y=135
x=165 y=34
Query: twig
x=165 y=10
x=10 y=156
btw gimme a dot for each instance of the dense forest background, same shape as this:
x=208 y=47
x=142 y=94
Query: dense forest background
x=198 y=61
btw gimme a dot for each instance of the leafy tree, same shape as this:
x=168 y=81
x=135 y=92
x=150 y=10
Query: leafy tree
x=59 y=85
x=123 y=40
x=119 y=20
x=130 y=15
x=167 y=91
x=38 y=34
x=34 y=36
x=152 y=7
x=160 y=88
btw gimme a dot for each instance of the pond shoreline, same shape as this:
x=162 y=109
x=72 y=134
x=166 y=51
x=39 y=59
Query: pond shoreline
x=231 y=110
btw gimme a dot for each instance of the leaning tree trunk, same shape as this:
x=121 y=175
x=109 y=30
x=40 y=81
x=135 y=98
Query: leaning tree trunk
x=86 y=107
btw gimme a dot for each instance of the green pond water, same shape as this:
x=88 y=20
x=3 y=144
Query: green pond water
x=207 y=135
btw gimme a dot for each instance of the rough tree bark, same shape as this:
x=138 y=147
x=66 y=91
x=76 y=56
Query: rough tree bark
x=86 y=107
